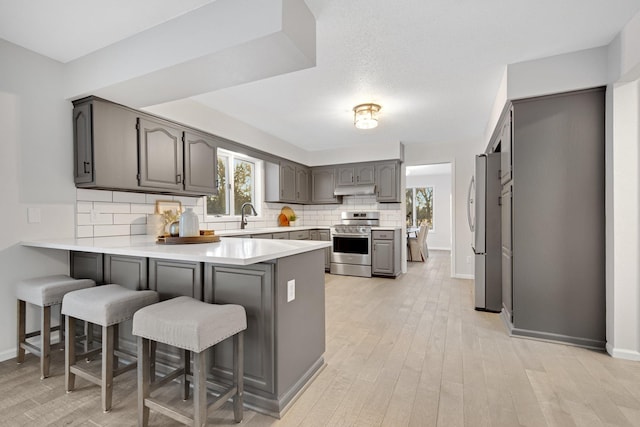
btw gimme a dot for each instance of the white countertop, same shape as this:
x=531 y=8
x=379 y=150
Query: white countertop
x=233 y=251
x=266 y=230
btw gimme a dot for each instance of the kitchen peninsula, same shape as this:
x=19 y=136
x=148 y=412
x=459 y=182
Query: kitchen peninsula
x=279 y=282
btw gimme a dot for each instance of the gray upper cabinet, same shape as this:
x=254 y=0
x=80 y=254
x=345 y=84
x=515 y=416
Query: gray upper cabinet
x=160 y=155
x=119 y=148
x=200 y=152
x=83 y=144
x=356 y=174
x=105 y=149
x=387 y=181
x=302 y=184
x=287 y=182
x=323 y=183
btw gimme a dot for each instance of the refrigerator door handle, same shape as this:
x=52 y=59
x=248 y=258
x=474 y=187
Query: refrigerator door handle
x=470 y=206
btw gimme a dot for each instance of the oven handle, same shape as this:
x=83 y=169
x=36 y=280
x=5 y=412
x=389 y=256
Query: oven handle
x=364 y=236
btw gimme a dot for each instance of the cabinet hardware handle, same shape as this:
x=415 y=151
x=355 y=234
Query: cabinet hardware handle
x=85 y=164
x=178 y=179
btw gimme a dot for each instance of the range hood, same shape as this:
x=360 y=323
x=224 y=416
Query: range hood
x=355 y=190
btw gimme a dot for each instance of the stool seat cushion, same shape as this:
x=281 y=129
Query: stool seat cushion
x=49 y=290
x=106 y=305
x=189 y=324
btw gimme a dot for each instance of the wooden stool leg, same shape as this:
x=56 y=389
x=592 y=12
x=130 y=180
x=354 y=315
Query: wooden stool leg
x=61 y=327
x=45 y=344
x=199 y=389
x=116 y=345
x=107 y=367
x=152 y=364
x=22 y=307
x=187 y=370
x=69 y=353
x=143 y=381
x=88 y=337
x=238 y=375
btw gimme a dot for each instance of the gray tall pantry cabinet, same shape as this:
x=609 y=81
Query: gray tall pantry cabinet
x=553 y=225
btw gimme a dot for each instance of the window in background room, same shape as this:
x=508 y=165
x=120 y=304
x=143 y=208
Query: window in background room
x=420 y=206
x=239 y=181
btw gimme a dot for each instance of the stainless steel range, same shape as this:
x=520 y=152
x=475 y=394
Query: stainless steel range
x=351 y=243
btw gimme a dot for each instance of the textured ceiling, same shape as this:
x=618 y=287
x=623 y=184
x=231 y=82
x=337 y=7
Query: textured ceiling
x=433 y=65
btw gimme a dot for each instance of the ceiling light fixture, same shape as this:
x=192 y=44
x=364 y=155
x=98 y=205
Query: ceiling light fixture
x=365 y=116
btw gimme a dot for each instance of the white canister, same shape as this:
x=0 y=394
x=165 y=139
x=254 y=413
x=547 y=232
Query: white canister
x=189 y=225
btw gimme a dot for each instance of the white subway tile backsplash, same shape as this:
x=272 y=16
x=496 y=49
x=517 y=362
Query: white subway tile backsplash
x=137 y=229
x=151 y=198
x=111 y=230
x=112 y=207
x=187 y=201
x=84 y=231
x=142 y=209
x=103 y=219
x=94 y=195
x=84 y=207
x=129 y=219
x=124 y=197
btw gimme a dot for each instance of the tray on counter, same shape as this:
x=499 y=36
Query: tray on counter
x=168 y=240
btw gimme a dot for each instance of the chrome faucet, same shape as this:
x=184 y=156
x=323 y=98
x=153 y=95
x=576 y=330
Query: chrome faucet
x=243 y=220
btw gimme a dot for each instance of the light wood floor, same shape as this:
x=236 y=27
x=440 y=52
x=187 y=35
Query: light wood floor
x=410 y=351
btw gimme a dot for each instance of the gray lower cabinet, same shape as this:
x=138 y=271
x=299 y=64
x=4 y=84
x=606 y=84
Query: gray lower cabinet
x=281 y=236
x=87 y=265
x=262 y=236
x=386 y=253
x=252 y=287
x=507 y=285
x=299 y=235
x=130 y=272
x=323 y=235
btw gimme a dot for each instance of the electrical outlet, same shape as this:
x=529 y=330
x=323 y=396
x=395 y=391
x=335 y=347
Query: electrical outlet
x=33 y=215
x=291 y=290
x=93 y=216
x=469 y=260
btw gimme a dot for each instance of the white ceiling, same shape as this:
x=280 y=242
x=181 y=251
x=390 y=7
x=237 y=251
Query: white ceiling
x=433 y=169
x=433 y=65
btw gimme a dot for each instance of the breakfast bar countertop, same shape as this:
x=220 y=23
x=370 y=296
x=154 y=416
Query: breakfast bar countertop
x=232 y=251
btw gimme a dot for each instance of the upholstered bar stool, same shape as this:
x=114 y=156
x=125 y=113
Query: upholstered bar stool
x=193 y=326
x=43 y=292
x=107 y=306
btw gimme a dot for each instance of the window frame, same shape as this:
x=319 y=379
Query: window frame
x=414 y=205
x=258 y=186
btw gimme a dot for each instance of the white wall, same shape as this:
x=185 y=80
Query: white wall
x=440 y=236
x=36 y=171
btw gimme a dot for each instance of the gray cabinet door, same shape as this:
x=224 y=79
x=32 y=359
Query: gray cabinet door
x=175 y=278
x=382 y=260
x=302 y=185
x=130 y=272
x=507 y=283
x=387 y=182
x=287 y=182
x=365 y=174
x=87 y=265
x=284 y=235
x=200 y=164
x=505 y=148
x=323 y=184
x=325 y=236
x=252 y=287
x=160 y=151
x=346 y=175
x=83 y=143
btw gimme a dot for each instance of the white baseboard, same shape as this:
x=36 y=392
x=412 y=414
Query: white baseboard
x=623 y=354
x=7 y=354
x=435 y=248
x=463 y=276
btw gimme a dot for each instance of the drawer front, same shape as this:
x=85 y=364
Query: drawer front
x=281 y=236
x=299 y=235
x=382 y=235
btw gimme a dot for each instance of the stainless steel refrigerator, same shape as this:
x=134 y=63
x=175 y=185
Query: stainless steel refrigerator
x=484 y=220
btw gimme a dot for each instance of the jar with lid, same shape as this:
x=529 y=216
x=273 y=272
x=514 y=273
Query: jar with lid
x=189 y=225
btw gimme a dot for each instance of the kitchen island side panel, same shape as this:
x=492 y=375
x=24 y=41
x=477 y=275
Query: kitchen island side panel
x=300 y=325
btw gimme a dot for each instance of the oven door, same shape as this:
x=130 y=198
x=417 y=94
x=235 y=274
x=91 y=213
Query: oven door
x=351 y=248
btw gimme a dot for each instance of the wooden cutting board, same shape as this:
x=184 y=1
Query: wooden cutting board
x=168 y=240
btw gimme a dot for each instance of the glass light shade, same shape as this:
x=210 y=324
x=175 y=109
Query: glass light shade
x=365 y=116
